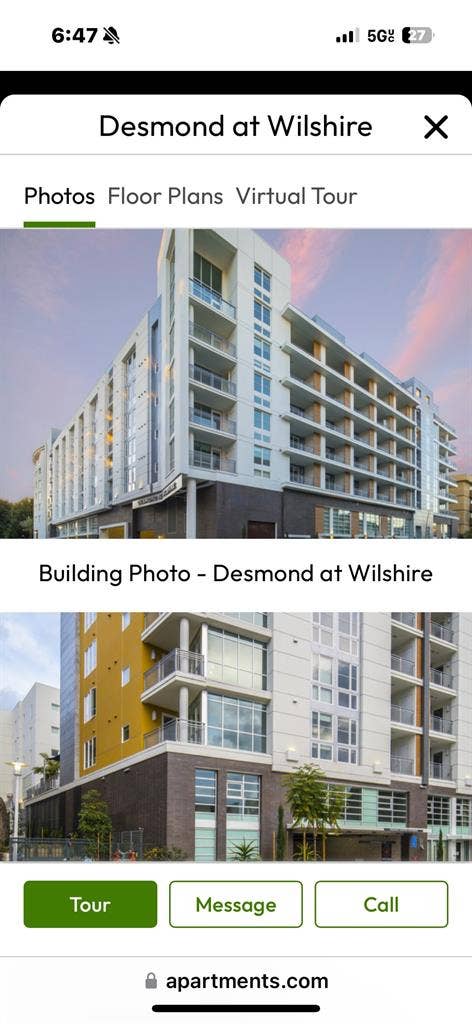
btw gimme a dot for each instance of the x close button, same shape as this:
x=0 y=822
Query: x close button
x=436 y=126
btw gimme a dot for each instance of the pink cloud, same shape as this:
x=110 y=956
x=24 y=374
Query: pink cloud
x=311 y=254
x=440 y=304
x=453 y=397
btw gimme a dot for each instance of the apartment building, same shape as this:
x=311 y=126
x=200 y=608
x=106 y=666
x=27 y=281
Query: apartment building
x=464 y=502
x=229 y=412
x=32 y=728
x=189 y=723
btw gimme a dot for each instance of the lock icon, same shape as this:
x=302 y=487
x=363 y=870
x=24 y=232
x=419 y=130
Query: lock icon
x=151 y=980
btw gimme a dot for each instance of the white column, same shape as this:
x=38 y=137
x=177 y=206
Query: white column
x=204 y=715
x=183 y=713
x=191 y=508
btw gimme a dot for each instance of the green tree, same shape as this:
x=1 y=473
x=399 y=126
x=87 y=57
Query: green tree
x=315 y=807
x=94 y=822
x=281 y=840
x=245 y=850
x=4 y=826
x=440 y=847
x=16 y=518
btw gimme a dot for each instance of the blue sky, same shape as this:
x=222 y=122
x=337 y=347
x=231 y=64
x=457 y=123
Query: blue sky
x=70 y=298
x=29 y=653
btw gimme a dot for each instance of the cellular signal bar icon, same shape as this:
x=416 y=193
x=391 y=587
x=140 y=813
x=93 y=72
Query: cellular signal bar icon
x=353 y=36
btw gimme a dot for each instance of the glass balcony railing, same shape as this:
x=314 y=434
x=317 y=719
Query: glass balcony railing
x=439 y=724
x=442 y=678
x=213 y=420
x=212 y=461
x=300 y=446
x=402 y=664
x=212 y=380
x=186 y=662
x=442 y=632
x=176 y=731
x=214 y=299
x=407 y=618
x=209 y=338
x=439 y=771
x=402 y=765
x=406 y=716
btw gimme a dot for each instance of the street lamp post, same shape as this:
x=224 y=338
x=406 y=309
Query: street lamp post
x=17 y=770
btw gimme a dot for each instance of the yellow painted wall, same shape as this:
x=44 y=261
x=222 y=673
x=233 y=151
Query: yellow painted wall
x=117 y=705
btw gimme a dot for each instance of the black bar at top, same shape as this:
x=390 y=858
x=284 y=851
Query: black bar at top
x=233 y=1008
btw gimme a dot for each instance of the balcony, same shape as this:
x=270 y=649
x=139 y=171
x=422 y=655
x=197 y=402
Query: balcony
x=406 y=618
x=203 y=293
x=212 y=461
x=442 y=632
x=207 y=384
x=400 y=663
x=210 y=424
x=44 y=786
x=438 y=724
x=439 y=677
x=440 y=771
x=202 y=335
x=402 y=765
x=175 y=662
x=177 y=731
x=404 y=716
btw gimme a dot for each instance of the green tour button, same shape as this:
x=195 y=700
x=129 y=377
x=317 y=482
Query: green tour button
x=87 y=904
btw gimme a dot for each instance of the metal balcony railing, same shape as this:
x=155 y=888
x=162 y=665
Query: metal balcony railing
x=212 y=298
x=439 y=771
x=404 y=715
x=402 y=765
x=43 y=786
x=185 y=662
x=201 y=333
x=441 y=678
x=212 y=380
x=402 y=664
x=334 y=487
x=300 y=446
x=360 y=491
x=442 y=632
x=213 y=421
x=439 y=724
x=297 y=475
x=408 y=618
x=212 y=461
x=298 y=411
x=177 y=731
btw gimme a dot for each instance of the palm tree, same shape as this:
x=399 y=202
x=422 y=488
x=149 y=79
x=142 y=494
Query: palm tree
x=315 y=806
x=49 y=768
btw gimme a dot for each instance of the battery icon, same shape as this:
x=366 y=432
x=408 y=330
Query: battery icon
x=417 y=34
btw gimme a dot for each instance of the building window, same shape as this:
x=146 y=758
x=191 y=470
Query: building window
x=237 y=660
x=348 y=628
x=261 y=390
x=205 y=815
x=463 y=813
x=347 y=685
x=322 y=679
x=236 y=724
x=125 y=620
x=261 y=425
x=323 y=624
x=439 y=810
x=397 y=527
x=90 y=704
x=89 y=619
x=261 y=461
x=130 y=421
x=392 y=807
x=347 y=740
x=262 y=317
x=255 y=618
x=125 y=675
x=336 y=522
x=261 y=282
x=262 y=353
x=206 y=273
x=124 y=733
x=322 y=735
x=90 y=752
x=55 y=707
x=90 y=658
x=55 y=729
x=243 y=808
x=369 y=524
x=352 y=810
